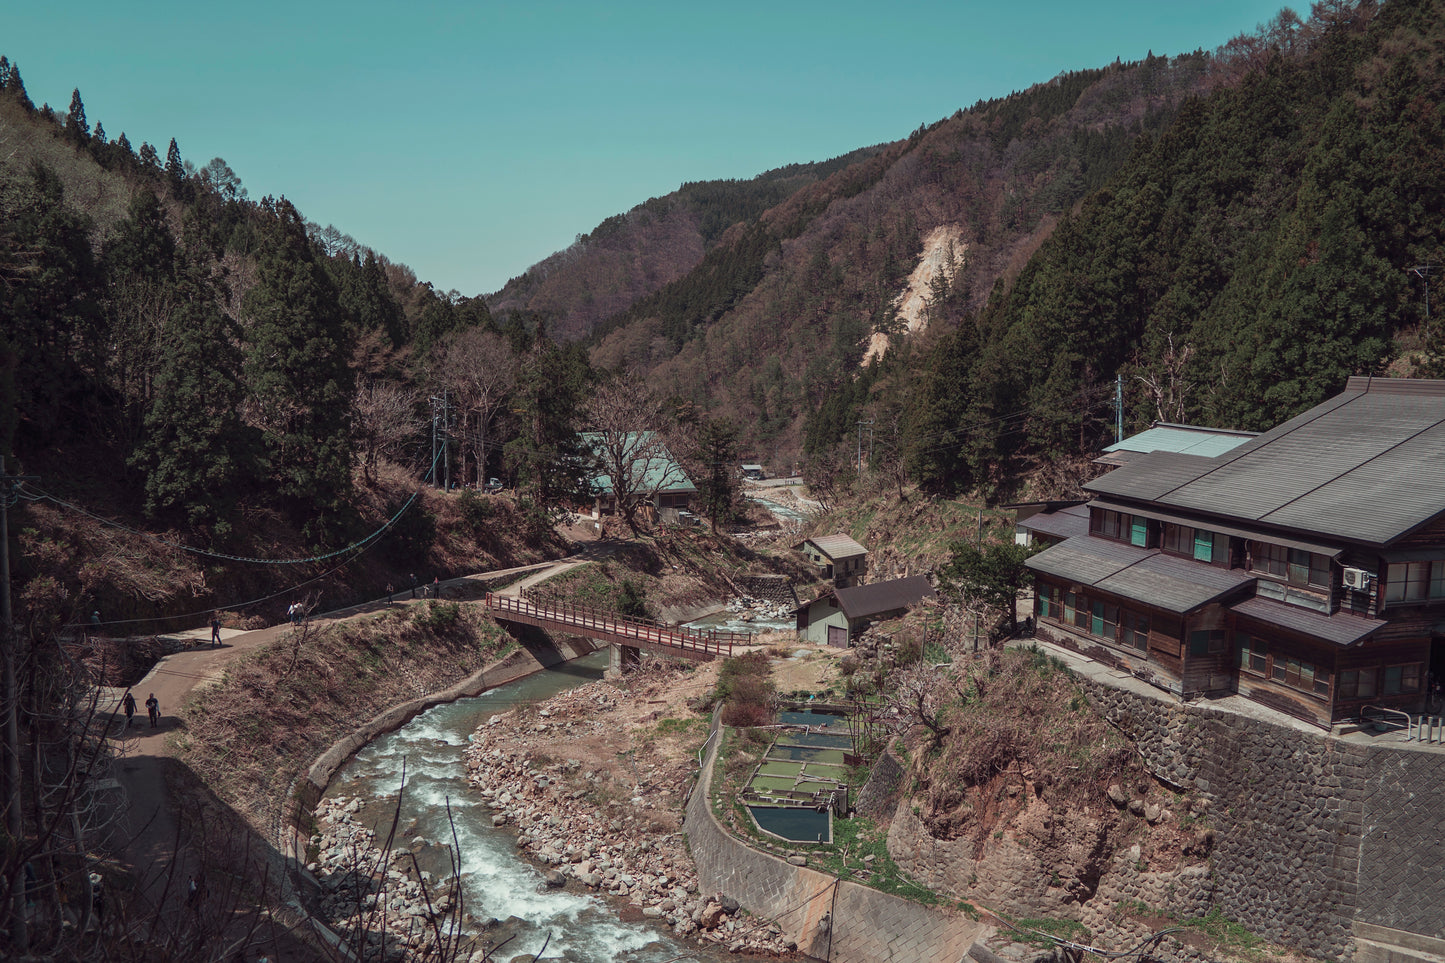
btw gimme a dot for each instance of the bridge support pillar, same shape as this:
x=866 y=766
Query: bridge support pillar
x=624 y=658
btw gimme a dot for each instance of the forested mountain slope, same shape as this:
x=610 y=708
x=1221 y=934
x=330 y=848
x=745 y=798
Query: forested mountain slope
x=1237 y=270
x=631 y=255
x=774 y=321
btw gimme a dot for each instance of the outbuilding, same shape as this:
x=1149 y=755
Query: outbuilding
x=838 y=615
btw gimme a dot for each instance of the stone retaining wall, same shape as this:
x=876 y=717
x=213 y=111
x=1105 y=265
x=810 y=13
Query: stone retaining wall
x=843 y=922
x=1312 y=833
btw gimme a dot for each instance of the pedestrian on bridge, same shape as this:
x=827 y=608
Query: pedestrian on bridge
x=153 y=709
x=128 y=705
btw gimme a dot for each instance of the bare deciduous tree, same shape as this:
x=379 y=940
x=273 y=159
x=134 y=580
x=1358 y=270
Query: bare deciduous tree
x=480 y=370
x=630 y=430
x=1167 y=384
x=384 y=419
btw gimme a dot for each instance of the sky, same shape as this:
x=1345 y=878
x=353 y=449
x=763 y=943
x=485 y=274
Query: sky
x=469 y=140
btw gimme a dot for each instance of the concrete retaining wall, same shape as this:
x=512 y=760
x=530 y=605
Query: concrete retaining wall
x=843 y=922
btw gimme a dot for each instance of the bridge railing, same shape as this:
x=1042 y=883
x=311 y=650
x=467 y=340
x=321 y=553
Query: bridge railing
x=643 y=630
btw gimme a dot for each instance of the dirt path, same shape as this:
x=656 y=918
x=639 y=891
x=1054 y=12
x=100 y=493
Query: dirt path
x=149 y=828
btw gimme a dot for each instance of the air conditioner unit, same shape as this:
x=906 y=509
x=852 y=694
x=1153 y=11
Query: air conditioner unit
x=1357 y=579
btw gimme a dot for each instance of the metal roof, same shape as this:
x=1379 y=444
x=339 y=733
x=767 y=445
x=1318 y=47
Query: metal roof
x=1340 y=628
x=651 y=463
x=1184 y=440
x=865 y=600
x=1066 y=523
x=836 y=547
x=1142 y=574
x=1366 y=466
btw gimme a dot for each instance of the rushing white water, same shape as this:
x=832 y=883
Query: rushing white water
x=496 y=881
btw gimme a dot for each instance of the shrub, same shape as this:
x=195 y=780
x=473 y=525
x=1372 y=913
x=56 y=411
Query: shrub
x=475 y=509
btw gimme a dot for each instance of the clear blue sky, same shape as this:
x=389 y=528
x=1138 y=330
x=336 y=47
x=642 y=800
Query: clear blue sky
x=469 y=140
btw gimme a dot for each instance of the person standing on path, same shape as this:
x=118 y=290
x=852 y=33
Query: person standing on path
x=413 y=585
x=389 y=593
x=153 y=709
x=216 y=630
x=436 y=587
x=128 y=705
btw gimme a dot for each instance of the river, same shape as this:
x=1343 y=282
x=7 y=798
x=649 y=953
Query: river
x=496 y=880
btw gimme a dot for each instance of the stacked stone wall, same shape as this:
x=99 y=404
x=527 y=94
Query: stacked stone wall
x=777 y=589
x=1286 y=807
x=1312 y=832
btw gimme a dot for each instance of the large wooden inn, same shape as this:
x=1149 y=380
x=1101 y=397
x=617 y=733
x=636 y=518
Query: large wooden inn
x=1303 y=569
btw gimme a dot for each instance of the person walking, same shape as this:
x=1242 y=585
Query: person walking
x=128 y=705
x=413 y=585
x=216 y=630
x=389 y=593
x=153 y=709
x=436 y=587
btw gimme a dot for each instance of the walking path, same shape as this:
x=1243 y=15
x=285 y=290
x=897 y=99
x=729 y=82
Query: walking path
x=149 y=829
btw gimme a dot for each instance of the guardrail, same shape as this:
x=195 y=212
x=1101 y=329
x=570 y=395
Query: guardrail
x=1407 y=725
x=592 y=622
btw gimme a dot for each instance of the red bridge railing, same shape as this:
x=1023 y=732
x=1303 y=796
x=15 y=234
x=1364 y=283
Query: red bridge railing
x=608 y=625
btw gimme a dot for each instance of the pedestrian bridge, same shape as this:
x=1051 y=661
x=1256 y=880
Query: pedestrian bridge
x=638 y=635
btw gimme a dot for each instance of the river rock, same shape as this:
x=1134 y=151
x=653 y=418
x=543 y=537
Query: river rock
x=554 y=879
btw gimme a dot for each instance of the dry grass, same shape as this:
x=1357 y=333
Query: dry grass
x=275 y=711
x=1021 y=730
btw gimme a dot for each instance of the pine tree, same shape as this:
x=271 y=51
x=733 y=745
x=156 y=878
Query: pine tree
x=296 y=369
x=75 y=123
x=196 y=453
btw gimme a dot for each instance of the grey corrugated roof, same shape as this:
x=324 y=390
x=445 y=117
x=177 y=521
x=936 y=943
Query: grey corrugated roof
x=1368 y=466
x=1340 y=628
x=1145 y=575
x=1183 y=439
x=838 y=546
x=1061 y=524
x=899 y=593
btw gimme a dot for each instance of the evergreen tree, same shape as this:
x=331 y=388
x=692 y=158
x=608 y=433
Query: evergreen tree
x=547 y=456
x=149 y=159
x=296 y=370
x=196 y=453
x=75 y=123
x=717 y=459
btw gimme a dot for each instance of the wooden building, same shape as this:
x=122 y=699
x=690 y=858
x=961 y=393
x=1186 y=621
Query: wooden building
x=1303 y=569
x=836 y=557
x=838 y=615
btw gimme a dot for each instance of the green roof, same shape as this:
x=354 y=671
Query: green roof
x=657 y=470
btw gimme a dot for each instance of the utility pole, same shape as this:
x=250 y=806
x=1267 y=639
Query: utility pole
x=1118 y=408
x=1423 y=271
x=439 y=412
x=860 y=443
x=14 y=822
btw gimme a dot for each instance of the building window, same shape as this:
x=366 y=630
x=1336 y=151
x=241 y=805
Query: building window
x=1119 y=526
x=1401 y=679
x=1206 y=641
x=1199 y=544
x=1105 y=621
x=1294 y=565
x=1358 y=683
x=1134 y=630
x=1415 y=581
x=1047 y=609
x=1253 y=654
x=1298 y=674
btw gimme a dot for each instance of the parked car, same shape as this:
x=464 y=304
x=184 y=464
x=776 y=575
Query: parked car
x=492 y=486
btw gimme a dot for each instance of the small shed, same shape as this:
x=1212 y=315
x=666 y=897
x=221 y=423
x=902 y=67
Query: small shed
x=837 y=557
x=838 y=615
x=754 y=472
